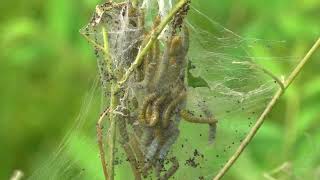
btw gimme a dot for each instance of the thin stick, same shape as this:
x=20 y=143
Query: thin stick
x=98 y=46
x=114 y=102
x=134 y=143
x=297 y=70
x=100 y=143
x=153 y=37
x=106 y=50
x=132 y=161
x=268 y=109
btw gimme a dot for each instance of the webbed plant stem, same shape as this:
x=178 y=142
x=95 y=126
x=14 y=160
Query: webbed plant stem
x=113 y=104
x=267 y=110
x=116 y=86
x=100 y=142
x=106 y=49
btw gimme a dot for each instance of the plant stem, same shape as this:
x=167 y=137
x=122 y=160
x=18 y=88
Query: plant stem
x=106 y=50
x=299 y=67
x=100 y=143
x=96 y=45
x=114 y=101
x=267 y=110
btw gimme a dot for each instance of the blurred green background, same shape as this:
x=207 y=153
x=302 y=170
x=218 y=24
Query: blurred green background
x=46 y=69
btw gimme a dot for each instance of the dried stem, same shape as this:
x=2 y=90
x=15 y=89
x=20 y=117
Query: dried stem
x=100 y=143
x=267 y=110
x=96 y=45
x=113 y=104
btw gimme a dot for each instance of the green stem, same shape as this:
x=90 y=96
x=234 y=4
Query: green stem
x=106 y=50
x=114 y=102
x=98 y=46
x=267 y=110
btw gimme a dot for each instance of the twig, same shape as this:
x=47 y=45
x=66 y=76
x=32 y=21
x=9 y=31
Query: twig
x=267 y=110
x=114 y=102
x=100 y=143
x=106 y=50
x=285 y=168
x=96 y=45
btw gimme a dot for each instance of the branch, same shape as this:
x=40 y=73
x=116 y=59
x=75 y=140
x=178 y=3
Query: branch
x=96 y=45
x=267 y=110
x=99 y=128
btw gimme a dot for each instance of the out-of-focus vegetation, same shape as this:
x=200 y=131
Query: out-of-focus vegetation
x=46 y=68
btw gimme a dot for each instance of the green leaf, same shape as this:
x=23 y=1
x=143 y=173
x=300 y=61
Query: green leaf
x=195 y=81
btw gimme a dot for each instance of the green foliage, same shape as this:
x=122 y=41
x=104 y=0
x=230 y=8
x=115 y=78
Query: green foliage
x=195 y=81
x=47 y=67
